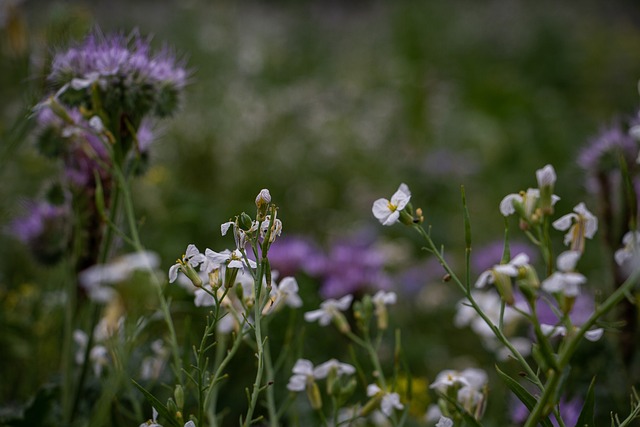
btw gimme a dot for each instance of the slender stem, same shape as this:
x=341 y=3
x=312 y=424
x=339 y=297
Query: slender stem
x=496 y=330
x=567 y=352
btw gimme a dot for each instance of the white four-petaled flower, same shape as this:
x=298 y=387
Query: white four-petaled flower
x=328 y=310
x=388 y=211
x=581 y=224
x=565 y=280
x=388 y=402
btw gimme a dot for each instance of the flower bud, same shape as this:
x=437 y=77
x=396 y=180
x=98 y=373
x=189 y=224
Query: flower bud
x=191 y=274
x=546 y=180
x=262 y=202
x=172 y=407
x=245 y=221
x=341 y=323
x=313 y=394
x=178 y=394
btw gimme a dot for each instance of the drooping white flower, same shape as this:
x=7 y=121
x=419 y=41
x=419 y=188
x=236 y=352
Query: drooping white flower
x=230 y=259
x=510 y=269
x=469 y=383
x=191 y=257
x=328 y=310
x=528 y=201
x=276 y=228
x=388 y=402
x=302 y=373
x=388 y=211
x=284 y=293
x=323 y=370
x=630 y=250
x=565 y=280
x=581 y=224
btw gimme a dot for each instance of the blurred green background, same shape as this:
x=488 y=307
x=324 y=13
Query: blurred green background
x=330 y=105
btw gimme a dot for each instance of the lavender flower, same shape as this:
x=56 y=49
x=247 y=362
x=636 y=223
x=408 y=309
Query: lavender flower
x=123 y=68
x=44 y=230
x=354 y=265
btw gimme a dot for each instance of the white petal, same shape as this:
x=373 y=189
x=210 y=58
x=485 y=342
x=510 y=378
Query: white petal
x=506 y=205
x=224 y=228
x=392 y=218
x=373 y=389
x=303 y=367
x=344 y=302
x=546 y=176
x=594 y=334
x=520 y=260
x=297 y=383
x=381 y=209
x=485 y=278
x=567 y=260
x=173 y=272
x=564 y=222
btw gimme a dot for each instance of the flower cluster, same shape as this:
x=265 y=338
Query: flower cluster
x=125 y=71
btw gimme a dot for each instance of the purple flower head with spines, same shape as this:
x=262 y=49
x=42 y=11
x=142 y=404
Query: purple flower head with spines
x=130 y=77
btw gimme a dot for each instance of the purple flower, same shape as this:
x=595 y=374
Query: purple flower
x=293 y=254
x=582 y=309
x=129 y=76
x=601 y=153
x=353 y=265
x=44 y=230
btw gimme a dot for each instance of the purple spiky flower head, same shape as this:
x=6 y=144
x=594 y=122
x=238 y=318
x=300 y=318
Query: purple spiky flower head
x=129 y=75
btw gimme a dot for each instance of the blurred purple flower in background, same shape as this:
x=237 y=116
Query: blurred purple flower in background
x=354 y=265
x=291 y=255
x=569 y=411
x=44 y=229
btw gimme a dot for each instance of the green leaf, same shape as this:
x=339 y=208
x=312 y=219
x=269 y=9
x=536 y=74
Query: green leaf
x=525 y=397
x=586 y=418
x=160 y=407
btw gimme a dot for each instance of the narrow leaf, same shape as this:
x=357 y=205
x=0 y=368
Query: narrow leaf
x=160 y=407
x=521 y=393
x=586 y=418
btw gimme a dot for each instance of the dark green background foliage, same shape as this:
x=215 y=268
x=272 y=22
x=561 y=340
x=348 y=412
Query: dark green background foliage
x=330 y=105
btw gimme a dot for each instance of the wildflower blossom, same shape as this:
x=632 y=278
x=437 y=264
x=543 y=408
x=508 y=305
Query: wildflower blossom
x=380 y=300
x=629 y=251
x=125 y=71
x=444 y=422
x=581 y=224
x=330 y=310
x=192 y=258
x=97 y=279
x=286 y=292
x=98 y=354
x=388 y=402
x=153 y=422
x=525 y=204
x=44 y=230
x=323 y=370
x=501 y=275
x=388 y=211
x=276 y=228
x=469 y=386
x=152 y=366
x=565 y=280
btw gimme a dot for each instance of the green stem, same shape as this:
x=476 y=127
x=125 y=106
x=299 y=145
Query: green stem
x=567 y=352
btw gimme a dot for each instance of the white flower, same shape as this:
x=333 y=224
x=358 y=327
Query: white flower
x=565 y=280
x=510 y=269
x=557 y=330
x=230 y=259
x=581 y=224
x=284 y=293
x=97 y=278
x=489 y=303
x=152 y=366
x=240 y=236
x=528 y=200
x=191 y=257
x=469 y=383
x=389 y=400
x=276 y=228
x=444 y=422
x=388 y=211
x=629 y=251
x=328 y=310
x=189 y=424
x=302 y=373
x=546 y=176
x=322 y=371
x=384 y=298
x=153 y=422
